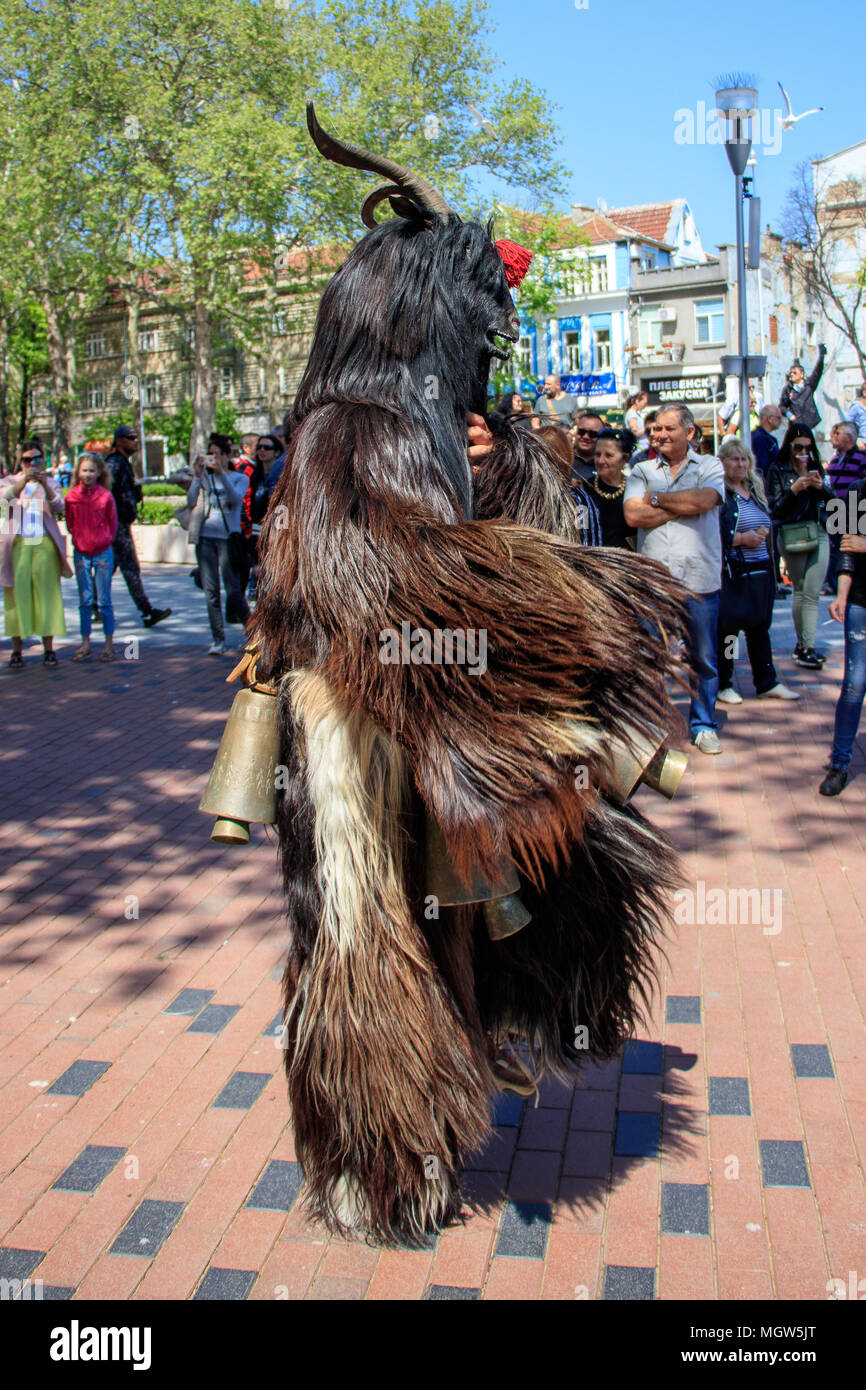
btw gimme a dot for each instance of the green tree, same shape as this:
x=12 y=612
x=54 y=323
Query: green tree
x=200 y=183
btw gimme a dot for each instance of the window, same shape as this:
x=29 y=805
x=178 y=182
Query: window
x=774 y=330
x=602 y=350
x=649 y=262
x=650 y=328
x=96 y=395
x=571 y=343
x=148 y=340
x=598 y=275
x=94 y=345
x=810 y=331
x=524 y=353
x=279 y=322
x=227 y=381
x=151 y=390
x=709 y=321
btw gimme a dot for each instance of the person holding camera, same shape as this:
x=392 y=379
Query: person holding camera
x=216 y=495
x=127 y=495
x=798 y=493
x=32 y=556
x=797 y=401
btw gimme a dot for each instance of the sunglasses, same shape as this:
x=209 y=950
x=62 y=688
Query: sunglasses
x=591 y=434
x=32 y=458
x=269 y=447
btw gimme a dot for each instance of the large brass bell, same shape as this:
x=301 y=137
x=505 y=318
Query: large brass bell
x=645 y=761
x=504 y=913
x=242 y=788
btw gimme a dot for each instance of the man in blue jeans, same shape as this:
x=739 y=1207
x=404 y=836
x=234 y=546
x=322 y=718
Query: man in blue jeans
x=849 y=607
x=672 y=500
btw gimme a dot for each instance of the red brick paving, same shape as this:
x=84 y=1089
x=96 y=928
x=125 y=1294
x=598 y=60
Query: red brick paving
x=119 y=776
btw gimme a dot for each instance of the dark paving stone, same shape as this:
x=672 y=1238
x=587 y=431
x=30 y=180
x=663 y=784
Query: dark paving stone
x=637 y=1134
x=508 y=1109
x=241 y=1090
x=18 y=1264
x=190 y=1001
x=214 y=1018
x=685 y=1208
x=147 y=1228
x=226 y=1284
x=275 y=1027
x=438 y=1293
x=629 y=1282
x=86 y=1172
x=729 y=1095
x=524 y=1230
x=784 y=1163
x=278 y=1187
x=812 y=1059
x=78 y=1078
x=642 y=1058
x=683 y=1008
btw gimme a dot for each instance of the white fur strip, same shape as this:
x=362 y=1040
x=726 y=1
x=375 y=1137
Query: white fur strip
x=358 y=782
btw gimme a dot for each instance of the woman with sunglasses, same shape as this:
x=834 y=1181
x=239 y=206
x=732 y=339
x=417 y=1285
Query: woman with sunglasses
x=32 y=556
x=798 y=493
x=849 y=607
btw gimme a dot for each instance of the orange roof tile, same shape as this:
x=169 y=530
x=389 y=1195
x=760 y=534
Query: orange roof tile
x=648 y=219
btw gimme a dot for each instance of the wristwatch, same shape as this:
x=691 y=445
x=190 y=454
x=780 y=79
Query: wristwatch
x=654 y=500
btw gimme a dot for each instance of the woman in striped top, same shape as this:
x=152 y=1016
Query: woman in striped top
x=748 y=580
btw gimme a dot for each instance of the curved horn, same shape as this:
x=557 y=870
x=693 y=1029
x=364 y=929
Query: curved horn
x=338 y=152
x=399 y=202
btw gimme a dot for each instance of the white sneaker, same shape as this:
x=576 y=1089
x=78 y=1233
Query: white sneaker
x=779 y=692
x=216 y=648
x=708 y=741
x=730 y=696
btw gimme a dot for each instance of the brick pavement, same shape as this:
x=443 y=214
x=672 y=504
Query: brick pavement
x=145 y=1152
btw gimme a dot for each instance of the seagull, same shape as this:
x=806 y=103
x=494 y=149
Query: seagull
x=487 y=126
x=789 y=119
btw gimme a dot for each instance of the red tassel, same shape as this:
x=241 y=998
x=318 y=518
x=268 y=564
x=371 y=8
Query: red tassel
x=516 y=260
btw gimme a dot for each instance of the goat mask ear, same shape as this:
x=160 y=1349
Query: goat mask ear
x=516 y=260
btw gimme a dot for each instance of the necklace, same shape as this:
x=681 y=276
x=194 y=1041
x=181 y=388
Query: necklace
x=602 y=492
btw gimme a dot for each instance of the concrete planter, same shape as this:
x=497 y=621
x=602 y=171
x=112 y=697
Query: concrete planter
x=167 y=544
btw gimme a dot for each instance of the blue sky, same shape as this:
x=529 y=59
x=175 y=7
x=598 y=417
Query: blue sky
x=620 y=69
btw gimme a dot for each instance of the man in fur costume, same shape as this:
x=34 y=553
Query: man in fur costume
x=397 y=1007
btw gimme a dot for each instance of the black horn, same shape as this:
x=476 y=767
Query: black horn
x=418 y=189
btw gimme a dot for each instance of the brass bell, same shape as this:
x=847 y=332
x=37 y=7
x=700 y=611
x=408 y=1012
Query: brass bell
x=504 y=913
x=644 y=760
x=242 y=785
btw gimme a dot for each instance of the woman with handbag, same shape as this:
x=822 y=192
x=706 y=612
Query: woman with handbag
x=798 y=493
x=215 y=497
x=748 y=579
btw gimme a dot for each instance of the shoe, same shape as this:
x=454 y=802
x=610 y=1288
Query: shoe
x=49 y=659
x=16 y=661
x=782 y=591
x=708 y=741
x=834 y=781
x=216 y=648
x=730 y=696
x=779 y=692
x=155 y=616
x=95 y=616
x=809 y=659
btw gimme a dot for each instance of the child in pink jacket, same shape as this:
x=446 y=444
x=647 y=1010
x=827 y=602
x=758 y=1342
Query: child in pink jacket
x=91 y=519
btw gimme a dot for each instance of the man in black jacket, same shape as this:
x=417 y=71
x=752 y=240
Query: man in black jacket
x=797 y=401
x=849 y=607
x=127 y=495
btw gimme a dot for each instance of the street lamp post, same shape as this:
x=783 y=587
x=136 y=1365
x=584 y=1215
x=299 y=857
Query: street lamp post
x=737 y=106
